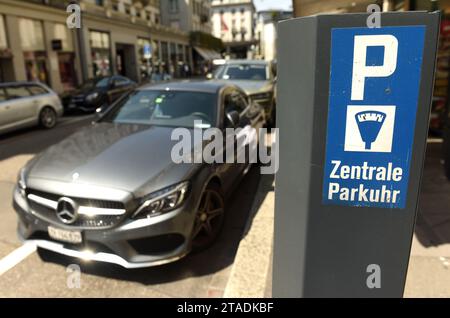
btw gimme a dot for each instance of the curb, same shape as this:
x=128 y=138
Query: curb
x=251 y=269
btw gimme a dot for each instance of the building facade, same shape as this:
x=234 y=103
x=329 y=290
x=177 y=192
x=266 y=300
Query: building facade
x=234 y=22
x=187 y=15
x=310 y=7
x=266 y=32
x=116 y=37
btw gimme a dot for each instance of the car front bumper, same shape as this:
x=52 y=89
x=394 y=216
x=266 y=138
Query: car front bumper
x=78 y=103
x=132 y=244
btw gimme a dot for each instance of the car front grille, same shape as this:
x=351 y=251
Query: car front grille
x=78 y=99
x=83 y=221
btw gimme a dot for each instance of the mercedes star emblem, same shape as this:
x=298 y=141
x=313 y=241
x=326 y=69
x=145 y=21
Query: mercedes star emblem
x=67 y=210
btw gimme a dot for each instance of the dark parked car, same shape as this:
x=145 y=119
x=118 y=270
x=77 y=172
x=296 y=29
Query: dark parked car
x=97 y=92
x=113 y=193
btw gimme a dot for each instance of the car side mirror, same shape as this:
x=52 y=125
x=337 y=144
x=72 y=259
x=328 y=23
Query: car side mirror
x=232 y=119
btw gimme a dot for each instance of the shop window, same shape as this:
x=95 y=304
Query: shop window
x=164 y=57
x=67 y=74
x=173 y=51
x=180 y=54
x=145 y=60
x=36 y=66
x=100 y=52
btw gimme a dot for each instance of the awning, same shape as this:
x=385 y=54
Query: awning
x=207 y=54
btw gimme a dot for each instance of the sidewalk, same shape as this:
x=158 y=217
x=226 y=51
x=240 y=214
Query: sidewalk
x=429 y=266
x=251 y=272
x=429 y=270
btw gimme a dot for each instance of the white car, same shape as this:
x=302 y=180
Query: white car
x=25 y=104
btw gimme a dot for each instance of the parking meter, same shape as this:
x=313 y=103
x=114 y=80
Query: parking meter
x=353 y=109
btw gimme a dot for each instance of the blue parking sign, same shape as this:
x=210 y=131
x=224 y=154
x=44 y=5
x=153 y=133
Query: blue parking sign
x=373 y=98
x=147 y=51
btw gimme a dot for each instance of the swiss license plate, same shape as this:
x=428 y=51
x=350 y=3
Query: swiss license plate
x=65 y=236
x=71 y=105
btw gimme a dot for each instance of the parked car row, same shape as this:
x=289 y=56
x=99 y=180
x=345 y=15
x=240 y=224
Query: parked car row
x=26 y=104
x=121 y=196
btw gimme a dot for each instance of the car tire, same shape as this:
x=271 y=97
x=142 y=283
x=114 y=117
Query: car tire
x=209 y=218
x=47 y=117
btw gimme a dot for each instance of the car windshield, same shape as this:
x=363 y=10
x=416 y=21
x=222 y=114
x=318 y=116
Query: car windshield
x=253 y=72
x=166 y=108
x=97 y=82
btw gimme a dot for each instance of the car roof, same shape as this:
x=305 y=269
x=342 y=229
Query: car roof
x=206 y=86
x=19 y=83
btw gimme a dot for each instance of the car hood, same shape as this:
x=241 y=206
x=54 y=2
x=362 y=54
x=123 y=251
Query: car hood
x=253 y=87
x=128 y=157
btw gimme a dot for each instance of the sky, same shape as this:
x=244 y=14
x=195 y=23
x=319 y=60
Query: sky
x=273 y=4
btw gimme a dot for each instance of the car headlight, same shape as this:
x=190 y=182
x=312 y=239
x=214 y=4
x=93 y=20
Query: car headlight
x=91 y=97
x=22 y=186
x=162 y=201
x=266 y=95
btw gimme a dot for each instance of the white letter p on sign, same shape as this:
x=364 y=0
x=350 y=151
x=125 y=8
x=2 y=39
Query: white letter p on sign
x=361 y=71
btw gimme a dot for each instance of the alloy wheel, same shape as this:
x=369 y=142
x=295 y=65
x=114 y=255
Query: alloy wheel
x=209 y=219
x=48 y=117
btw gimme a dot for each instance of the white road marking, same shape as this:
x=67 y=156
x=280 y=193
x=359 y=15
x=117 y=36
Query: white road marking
x=16 y=256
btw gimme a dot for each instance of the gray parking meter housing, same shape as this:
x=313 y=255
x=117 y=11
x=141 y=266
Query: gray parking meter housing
x=324 y=249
